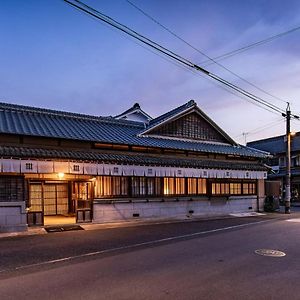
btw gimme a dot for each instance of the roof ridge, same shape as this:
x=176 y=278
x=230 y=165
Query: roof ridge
x=136 y=107
x=61 y=113
x=186 y=105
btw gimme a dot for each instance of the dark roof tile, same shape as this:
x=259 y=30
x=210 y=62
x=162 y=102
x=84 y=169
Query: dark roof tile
x=24 y=120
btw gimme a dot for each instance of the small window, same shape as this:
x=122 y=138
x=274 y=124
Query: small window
x=28 y=166
x=150 y=172
x=76 y=168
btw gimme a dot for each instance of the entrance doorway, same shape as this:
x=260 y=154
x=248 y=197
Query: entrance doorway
x=49 y=204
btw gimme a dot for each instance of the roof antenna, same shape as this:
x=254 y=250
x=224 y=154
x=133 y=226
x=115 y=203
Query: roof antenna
x=245 y=136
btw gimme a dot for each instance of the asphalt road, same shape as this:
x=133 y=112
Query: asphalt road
x=213 y=259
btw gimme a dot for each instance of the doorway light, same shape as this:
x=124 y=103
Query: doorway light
x=61 y=175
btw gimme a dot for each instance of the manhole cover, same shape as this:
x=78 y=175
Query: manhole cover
x=270 y=252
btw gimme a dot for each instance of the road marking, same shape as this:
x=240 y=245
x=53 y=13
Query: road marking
x=247 y=214
x=294 y=220
x=64 y=259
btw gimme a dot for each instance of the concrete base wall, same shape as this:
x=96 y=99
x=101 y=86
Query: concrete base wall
x=103 y=211
x=13 y=216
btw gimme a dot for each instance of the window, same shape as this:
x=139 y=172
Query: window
x=145 y=186
x=180 y=186
x=174 y=186
x=116 y=186
x=11 y=188
x=201 y=185
x=192 y=186
x=295 y=162
x=138 y=185
x=28 y=166
x=111 y=186
x=169 y=186
x=196 y=186
x=249 y=188
x=220 y=188
x=76 y=168
x=235 y=188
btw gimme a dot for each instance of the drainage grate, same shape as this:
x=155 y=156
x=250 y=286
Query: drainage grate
x=270 y=252
x=51 y=229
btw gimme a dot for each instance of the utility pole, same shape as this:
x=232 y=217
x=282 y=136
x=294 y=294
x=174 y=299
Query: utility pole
x=288 y=161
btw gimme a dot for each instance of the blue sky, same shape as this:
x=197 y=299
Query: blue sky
x=53 y=56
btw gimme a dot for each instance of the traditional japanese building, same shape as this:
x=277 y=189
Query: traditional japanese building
x=65 y=166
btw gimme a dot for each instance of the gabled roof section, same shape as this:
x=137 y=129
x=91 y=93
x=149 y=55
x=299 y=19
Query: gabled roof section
x=134 y=113
x=188 y=122
x=38 y=122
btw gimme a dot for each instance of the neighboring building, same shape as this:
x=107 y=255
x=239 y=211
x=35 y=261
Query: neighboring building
x=276 y=146
x=104 y=169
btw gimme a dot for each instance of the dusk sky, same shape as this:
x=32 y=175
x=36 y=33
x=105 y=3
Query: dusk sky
x=54 y=56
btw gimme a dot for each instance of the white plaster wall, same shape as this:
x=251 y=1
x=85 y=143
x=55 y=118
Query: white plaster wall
x=13 y=216
x=172 y=209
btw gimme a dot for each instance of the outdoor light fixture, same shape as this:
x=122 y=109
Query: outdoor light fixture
x=61 y=175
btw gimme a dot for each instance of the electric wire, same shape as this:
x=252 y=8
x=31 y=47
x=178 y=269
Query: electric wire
x=247 y=47
x=260 y=128
x=212 y=60
x=98 y=15
x=192 y=71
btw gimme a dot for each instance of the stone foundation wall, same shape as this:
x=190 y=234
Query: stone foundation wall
x=112 y=211
x=13 y=216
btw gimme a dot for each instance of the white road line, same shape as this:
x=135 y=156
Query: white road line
x=132 y=246
x=297 y=220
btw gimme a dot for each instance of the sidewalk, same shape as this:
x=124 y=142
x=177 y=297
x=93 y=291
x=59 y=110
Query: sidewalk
x=95 y=226
x=295 y=214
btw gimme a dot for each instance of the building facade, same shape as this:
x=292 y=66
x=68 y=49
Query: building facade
x=276 y=146
x=58 y=165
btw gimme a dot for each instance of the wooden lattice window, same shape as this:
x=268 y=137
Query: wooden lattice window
x=12 y=188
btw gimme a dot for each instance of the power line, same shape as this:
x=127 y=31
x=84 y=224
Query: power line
x=98 y=15
x=212 y=60
x=250 y=46
x=260 y=128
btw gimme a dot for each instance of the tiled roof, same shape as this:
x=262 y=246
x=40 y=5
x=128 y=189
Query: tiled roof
x=171 y=113
x=276 y=144
x=134 y=109
x=24 y=120
x=124 y=158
